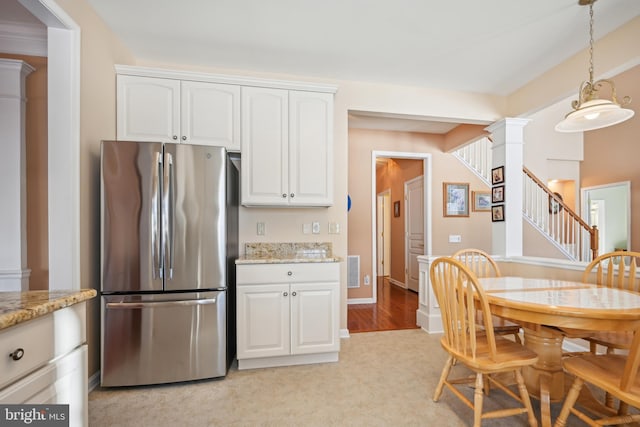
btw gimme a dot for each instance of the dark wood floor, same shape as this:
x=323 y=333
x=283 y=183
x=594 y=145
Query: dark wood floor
x=395 y=309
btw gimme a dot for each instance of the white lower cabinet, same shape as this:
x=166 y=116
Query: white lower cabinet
x=50 y=363
x=287 y=314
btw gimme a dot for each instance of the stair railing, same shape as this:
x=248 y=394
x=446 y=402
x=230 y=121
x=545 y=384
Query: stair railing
x=547 y=211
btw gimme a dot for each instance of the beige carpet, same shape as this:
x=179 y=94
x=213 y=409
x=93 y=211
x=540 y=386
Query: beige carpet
x=382 y=379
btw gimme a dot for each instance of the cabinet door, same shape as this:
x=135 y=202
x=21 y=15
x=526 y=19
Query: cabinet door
x=210 y=114
x=265 y=115
x=263 y=321
x=314 y=318
x=148 y=109
x=310 y=148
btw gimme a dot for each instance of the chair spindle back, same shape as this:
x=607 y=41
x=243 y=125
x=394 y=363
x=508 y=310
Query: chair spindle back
x=615 y=270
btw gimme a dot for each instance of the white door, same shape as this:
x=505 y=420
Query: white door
x=210 y=114
x=310 y=148
x=314 y=318
x=414 y=230
x=263 y=321
x=148 y=109
x=265 y=152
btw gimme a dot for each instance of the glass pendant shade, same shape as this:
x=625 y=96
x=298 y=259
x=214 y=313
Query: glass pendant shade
x=594 y=114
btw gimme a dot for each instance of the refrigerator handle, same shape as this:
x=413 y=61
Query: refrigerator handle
x=130 y=305
x=156 y=207
x=170 y=212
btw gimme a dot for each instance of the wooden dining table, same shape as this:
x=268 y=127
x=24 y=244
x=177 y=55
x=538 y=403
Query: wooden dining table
x=550 y=310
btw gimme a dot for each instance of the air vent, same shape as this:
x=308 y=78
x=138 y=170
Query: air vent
x=353 y=271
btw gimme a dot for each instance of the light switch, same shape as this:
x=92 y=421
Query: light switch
x=306 y=228
x=260 y=229
x=334 y=228
x=455 y=238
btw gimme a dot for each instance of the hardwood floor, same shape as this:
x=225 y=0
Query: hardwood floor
x=395 y=309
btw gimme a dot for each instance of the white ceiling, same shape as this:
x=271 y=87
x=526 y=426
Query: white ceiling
x=486 y=46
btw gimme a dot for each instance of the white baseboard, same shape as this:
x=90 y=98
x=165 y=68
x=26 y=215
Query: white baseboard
x=360 y=301
x=398 y=283
x=344 y=333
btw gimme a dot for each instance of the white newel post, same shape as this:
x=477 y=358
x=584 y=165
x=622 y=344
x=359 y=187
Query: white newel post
x=14 y=275
x=507 y=152
x=428 y=315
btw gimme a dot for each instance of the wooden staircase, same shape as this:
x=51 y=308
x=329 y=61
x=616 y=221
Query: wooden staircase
x=542 y=208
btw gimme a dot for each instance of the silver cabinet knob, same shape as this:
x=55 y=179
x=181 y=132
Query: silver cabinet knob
x=289 y=273
x=292 y=195
x=294 y=293
x=285 y=294
x=284 y=195
x=175 y=137
x=184 y=138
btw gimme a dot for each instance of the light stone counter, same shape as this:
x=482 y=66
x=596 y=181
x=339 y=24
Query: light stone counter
x=275 y=253
x=18 y=307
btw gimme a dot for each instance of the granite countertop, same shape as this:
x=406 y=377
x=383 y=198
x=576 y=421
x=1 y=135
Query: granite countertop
x=274 y=253
x=17 y=307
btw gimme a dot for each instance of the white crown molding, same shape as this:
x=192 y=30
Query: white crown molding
x=23 y=39
x=221 y=78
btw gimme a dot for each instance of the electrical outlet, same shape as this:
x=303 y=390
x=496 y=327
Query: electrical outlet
x=315 y=228
x=367 y=280
x=260 y=229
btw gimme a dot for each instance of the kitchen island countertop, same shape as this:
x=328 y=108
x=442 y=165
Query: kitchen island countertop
x=281 y=253
x=18 y=307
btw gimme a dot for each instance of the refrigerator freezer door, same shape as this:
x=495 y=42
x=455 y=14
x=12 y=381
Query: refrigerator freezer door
x=194 y=206
x=154 y=339
x=131 y=241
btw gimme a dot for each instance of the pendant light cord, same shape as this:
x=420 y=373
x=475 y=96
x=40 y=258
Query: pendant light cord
x=591 y=42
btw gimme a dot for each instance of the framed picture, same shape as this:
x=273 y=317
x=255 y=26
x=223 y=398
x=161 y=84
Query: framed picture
x=455 y=199
x=497 y=194
x=497 y=175
x=554 y=205
x=396 y=208
x=497 y=213
x=481 y=201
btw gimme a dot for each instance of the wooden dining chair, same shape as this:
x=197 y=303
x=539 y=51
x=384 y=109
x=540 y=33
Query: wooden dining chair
x=616 y=374
x=459 y=296
x=482 y=265
x=613 y=270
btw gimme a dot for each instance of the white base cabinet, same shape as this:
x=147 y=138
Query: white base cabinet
x=287 y=314
x=53 y=365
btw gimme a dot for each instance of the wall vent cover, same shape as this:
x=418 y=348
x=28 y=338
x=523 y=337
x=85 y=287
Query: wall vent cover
x=353 y=271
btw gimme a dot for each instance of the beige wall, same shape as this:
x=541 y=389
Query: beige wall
x=611 y=154
x=37 y=167
x=100 y=50
x=475 y=230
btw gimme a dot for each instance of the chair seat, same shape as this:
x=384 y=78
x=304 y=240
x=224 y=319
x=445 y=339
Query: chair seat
x=509 y=355
x=604 y=371
x=614 y=339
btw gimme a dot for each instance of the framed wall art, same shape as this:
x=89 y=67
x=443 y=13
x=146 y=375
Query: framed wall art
x=481 y=201
x=455 y=197
x=497 y=213
x=396 y=208
x=497 y=194
x=497 y=175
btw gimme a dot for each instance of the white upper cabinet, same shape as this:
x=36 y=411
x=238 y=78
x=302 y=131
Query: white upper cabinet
x=287 y=143
x=170 y=110
x=148 y=109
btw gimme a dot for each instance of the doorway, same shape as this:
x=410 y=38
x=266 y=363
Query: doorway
x=609 y=207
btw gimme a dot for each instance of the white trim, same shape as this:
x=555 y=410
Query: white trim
x=14 y=280
x=361 y=301
x=344 y=334
x=585 y=208
x=295 y=359
x=426 y=174
x=223 y=78
x=398 y=283
x=23 y=39
x=94 y=381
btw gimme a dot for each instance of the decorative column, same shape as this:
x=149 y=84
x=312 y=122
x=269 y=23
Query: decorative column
x=14 y=274
x=507 y=153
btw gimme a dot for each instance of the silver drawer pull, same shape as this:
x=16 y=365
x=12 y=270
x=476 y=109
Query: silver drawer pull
x=17 y=354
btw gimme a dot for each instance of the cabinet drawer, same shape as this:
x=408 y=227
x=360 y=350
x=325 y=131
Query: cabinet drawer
x=41 y=340
x=247 y=274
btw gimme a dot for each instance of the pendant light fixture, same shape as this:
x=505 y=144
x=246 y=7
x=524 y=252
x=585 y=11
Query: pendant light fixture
x=589 y=111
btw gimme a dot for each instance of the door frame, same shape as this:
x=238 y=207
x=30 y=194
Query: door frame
x=384 y=205
x=426 y=176
x=626 y=185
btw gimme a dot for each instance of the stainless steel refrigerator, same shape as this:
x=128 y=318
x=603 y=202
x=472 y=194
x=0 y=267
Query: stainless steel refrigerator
x=169 y=233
